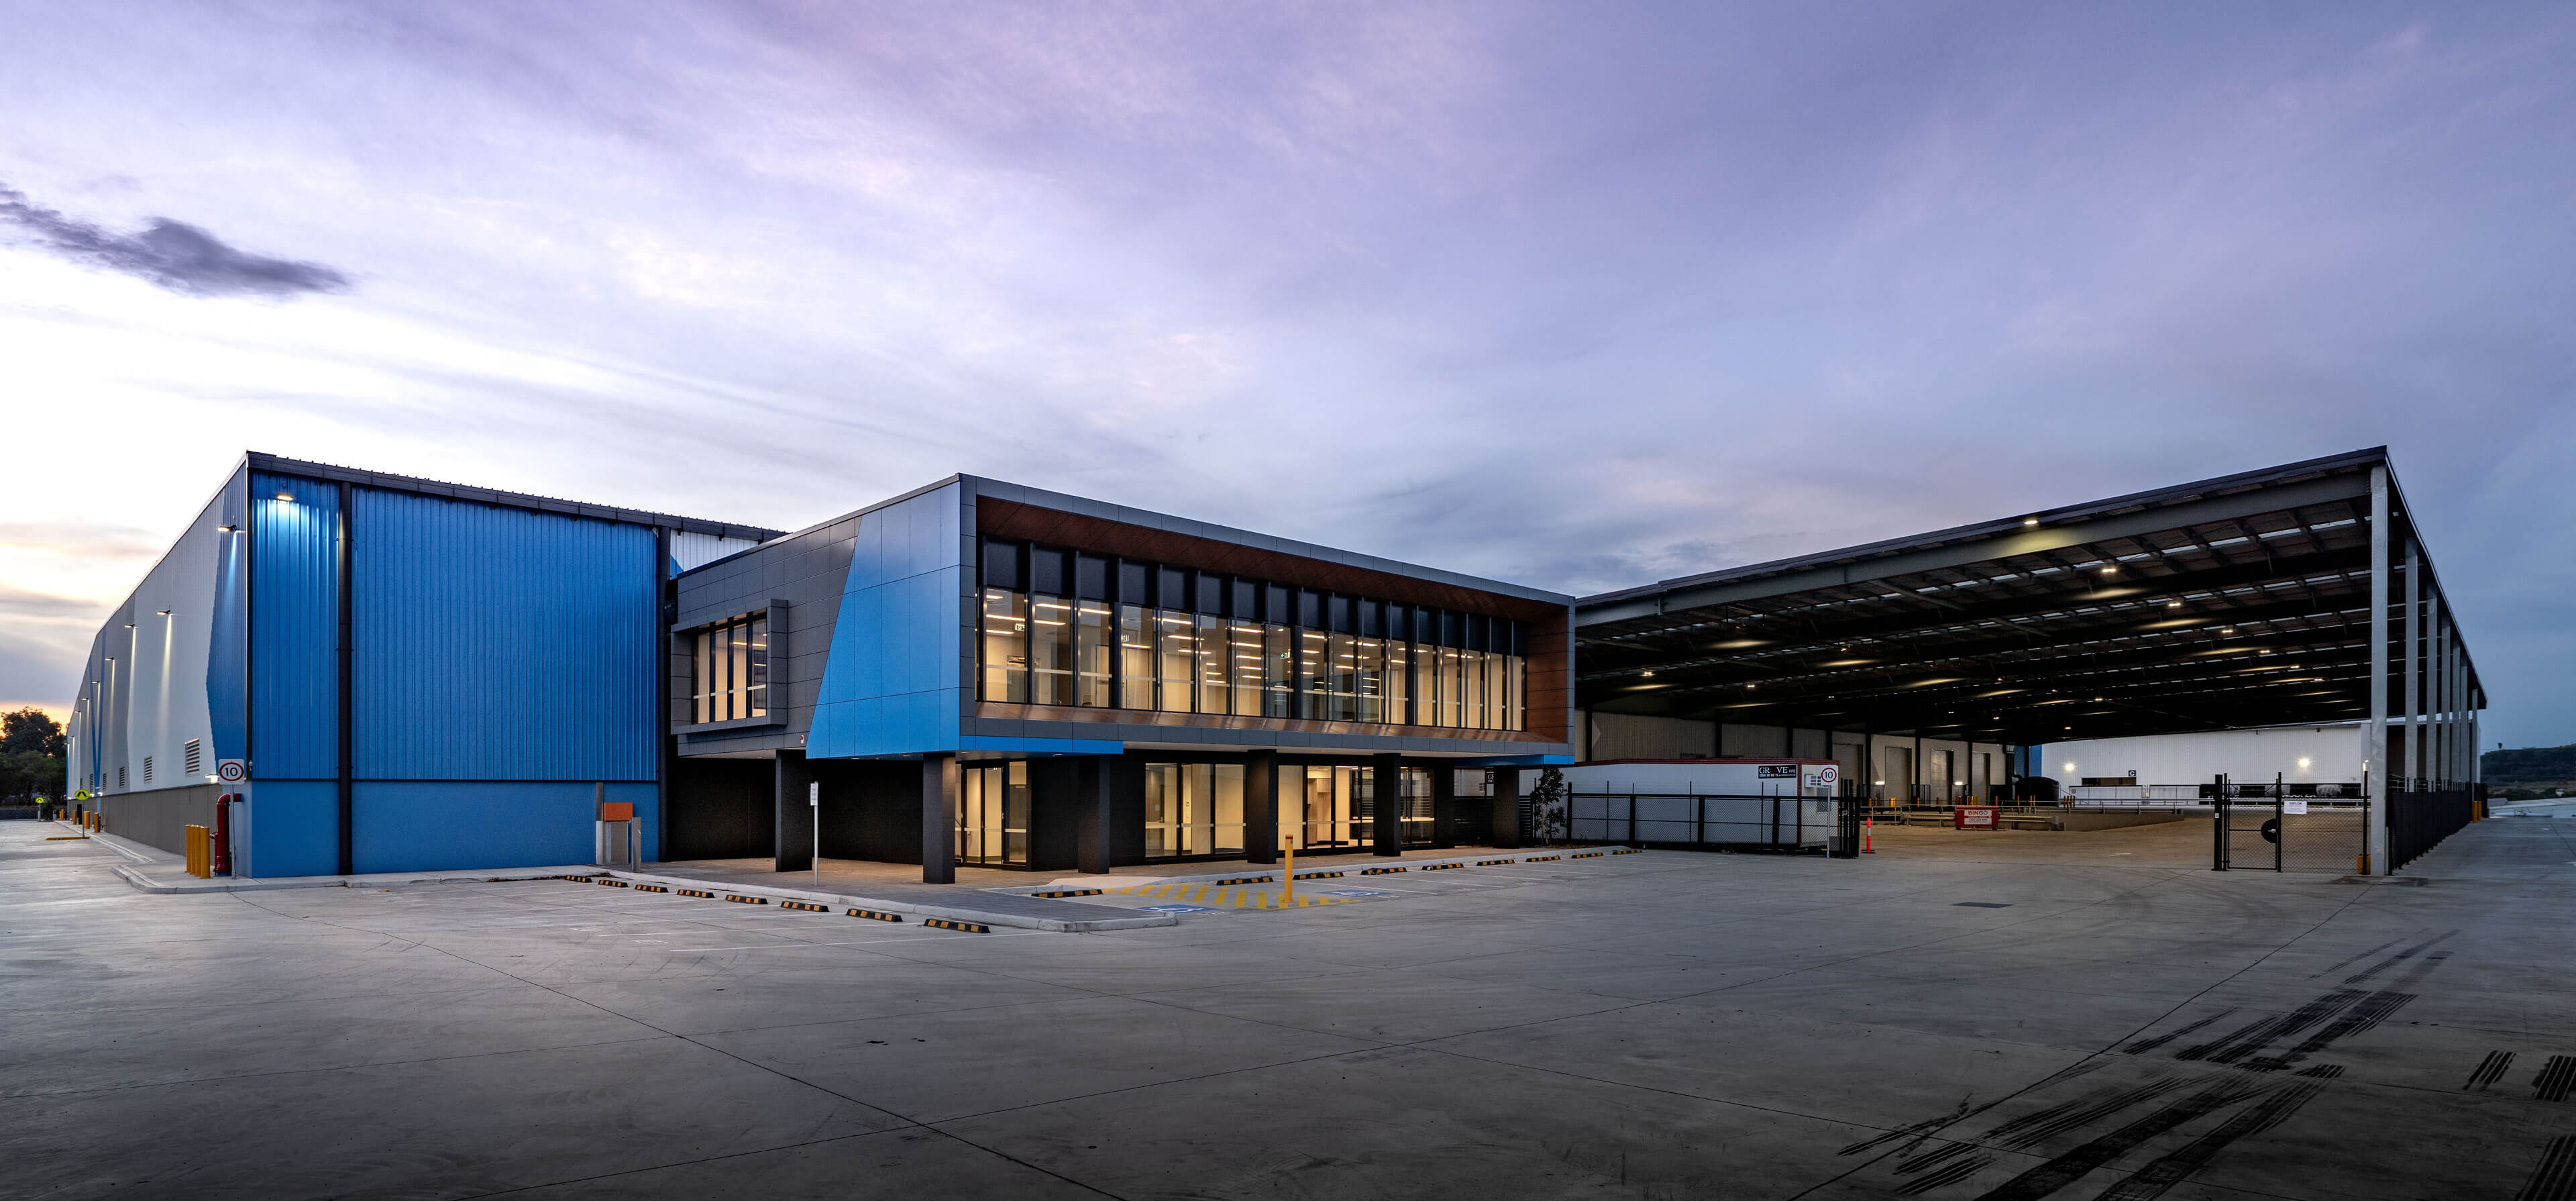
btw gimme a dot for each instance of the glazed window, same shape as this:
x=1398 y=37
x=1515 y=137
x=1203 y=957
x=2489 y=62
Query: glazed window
x=729 y=671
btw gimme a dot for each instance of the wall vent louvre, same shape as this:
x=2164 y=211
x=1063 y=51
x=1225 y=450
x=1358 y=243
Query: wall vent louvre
x=196 y=758
x=147 y=769
x=120 y=776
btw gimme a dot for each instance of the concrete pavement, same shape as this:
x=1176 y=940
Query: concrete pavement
x=2002 y=1018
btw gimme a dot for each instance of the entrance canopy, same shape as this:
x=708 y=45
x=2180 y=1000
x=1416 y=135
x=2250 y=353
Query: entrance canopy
x=2241 y=601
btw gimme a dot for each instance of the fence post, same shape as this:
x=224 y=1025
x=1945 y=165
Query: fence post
x=2218 y=824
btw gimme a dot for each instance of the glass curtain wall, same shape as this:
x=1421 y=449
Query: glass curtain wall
x=1328 y=658
x=1006 y=646
x=729 y=671
x=1193 y=809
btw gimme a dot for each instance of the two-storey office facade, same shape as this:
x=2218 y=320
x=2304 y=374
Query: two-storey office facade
x=982 y=673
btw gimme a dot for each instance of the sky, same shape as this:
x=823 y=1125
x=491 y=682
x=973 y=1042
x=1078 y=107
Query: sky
x=1577 y=296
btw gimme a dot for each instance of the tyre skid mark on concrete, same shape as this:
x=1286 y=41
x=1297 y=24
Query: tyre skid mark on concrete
x=2335 y=1015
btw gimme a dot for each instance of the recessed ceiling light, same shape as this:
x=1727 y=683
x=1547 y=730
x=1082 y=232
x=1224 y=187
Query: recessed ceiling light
x=2030 y=521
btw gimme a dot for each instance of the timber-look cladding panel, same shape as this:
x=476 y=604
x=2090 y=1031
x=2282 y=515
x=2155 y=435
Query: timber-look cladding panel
x=998 y=518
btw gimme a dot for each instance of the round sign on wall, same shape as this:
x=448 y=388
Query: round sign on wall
x=231 y=771
x=1828 y=774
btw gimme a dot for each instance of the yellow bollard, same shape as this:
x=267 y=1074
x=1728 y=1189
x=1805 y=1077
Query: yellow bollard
x=200 y=853
x=1288 y=897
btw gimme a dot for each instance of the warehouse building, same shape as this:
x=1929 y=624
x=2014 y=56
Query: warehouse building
x=418 y=676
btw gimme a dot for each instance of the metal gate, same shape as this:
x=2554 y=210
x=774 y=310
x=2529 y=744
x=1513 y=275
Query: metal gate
x=1695 y=820
x=2261 y=827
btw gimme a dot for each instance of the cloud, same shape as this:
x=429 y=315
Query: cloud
x=87 y=540
x=21 y=602
x=169 y=254
x=45 y=671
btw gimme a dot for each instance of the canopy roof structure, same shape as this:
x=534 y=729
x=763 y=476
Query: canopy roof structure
x=2227 y=603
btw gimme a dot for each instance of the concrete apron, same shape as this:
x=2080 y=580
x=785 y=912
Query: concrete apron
x=157 y=871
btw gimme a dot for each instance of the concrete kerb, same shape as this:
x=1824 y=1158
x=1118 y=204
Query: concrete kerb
x=954 y=913
x=141 y=881
x=1348 y=864
x=146 y=883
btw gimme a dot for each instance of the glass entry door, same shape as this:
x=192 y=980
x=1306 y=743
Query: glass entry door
x=1335 y=804
x=1414 y=794
x=993 y=814
x=1193 y=809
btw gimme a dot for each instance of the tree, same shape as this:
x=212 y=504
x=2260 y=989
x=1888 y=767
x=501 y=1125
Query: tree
x=1547 y=805
x=31 y=730
x=26 y=775
x=31 y=755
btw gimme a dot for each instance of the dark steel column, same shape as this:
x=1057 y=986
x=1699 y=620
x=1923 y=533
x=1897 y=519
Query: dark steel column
x=1507 y=806
x=1091 y=825
x=792 y=824
x=348 y=791
x=666 y=745
x=1386 y=817
x=939 y=819
x=1444 y=804
x=1261 y=807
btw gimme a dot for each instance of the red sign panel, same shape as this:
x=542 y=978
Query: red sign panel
x=1974 y=817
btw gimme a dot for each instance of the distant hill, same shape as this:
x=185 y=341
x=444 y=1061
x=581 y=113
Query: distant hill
x=2529 y=765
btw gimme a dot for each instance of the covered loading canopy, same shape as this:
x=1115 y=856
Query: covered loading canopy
x=2232 y=602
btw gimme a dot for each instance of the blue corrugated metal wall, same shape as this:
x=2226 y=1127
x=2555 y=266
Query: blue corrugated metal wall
x=892 y=683
x=409 y=826
x=501 y=644
x=295 y=590
x=294 y=829
x=506 y=659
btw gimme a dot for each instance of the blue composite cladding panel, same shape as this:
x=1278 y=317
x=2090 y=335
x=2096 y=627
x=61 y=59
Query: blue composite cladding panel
x=891 y=685
x=505 y=661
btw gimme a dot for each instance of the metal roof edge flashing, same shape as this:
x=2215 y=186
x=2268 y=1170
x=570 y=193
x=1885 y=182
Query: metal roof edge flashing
x=2174 y=494
x=333 y=473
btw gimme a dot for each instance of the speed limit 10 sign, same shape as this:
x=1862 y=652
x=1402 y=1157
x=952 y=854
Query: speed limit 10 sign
x=231 y=771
